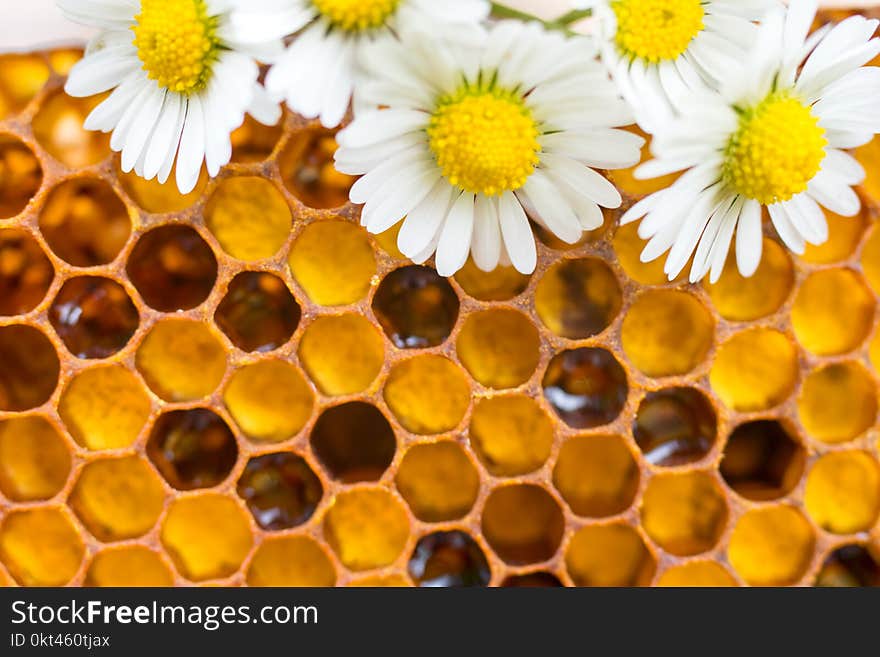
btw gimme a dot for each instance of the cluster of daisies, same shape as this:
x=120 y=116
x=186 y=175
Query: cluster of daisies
x=469 y=124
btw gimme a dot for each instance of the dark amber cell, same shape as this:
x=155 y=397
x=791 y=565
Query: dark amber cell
x=577 y=299
x=258 y=312
x=307 y=170
x=20 y=176
x=354 y=442
x=192 y=448
x=416 y=307
x=29 y=368
x=586 y=387
x=523 y=523
x=762 y=461
x=173 y=268
x=850 y=566
x=280 y=490
x=254 y=142
x=25 y=272
x=675 y=426
x=536 y=580
x=449 y=559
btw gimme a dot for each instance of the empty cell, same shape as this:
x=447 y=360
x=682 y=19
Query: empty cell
x=499 y=347
x=354 y=442
x=427 y=394
x=586 y=387
x=291 y=561
x=535 y=580
x=449 y=559
x=130 y=565
x=697 y=573
x=578 y=299
x=20 y=176
x=628 y=247
x=29 y=368
x=838 y=402
x=258 y=312
x=675 y=426
x=342 y=354
x=34 y=459
x=21 y=79
x=254 y=142
x=280 y=490
x=762 y=461
x=844 y=235
x=842 y=494
x=850 y=566
x=501 y=284
x=25 y=272
x=522 y=523
x=511 y=434
x=306 y=165
x=40 y=547
x=771 y=546
x=58 y=126
x=158 y=198
x=438 y=481
x=609 y=555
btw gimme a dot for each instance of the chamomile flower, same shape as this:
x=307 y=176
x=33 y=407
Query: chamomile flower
x=183 y=74
x=772 y=138
x=465 y=140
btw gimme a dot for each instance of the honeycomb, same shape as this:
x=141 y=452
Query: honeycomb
x=241 y=387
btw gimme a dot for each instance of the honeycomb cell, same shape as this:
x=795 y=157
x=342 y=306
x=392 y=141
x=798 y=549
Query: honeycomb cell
x=280 y=490
x=258 y=312
x=93 y=316
x=157 y=198
x=522 y=523
x=307 y=169
x=354 y=442
x=771 y=546
x=206 y=536
x=269 y=400
x=333 y=262
x=58 y=126
x=449 y=559
x=609 y=555
x=666 y=333
x=438 y=481
x=500 y=347
x=501 y=284
x=131 y=565
x=850 y=566
x=697 y=573
x=181 y=360
x=762 y=461
x=833 y=312
x=684 y=513
x=844 y=235
x=40 y=547
x=578 y=299
x=249 y=217
x=628 y=247
x=25 y=273
x=428 y=394
x=254 y=142
x=20 y=176
x=34 y=459
x=675 y=426
x=192 y=448
x=367 y=528
x=416 y=307
x=29 y=368
x=84 y=222
x=871 y=259
x=21 y=79
x=342 y=354
x=838 y=402
x=173 y=268
x=118 y=498
x=291 y=561
x=586 y=387
x=511 y=435
x=104 y=407
x=842 y=494
x=536 y=580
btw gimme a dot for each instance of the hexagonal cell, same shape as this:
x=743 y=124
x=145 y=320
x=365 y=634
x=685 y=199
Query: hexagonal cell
x=684 y=513
x=22 y=176
x=501 y=284
x=118 y=498
x=58 y=126
x=40 y=547
x=258 y=312
x=850 y=566
x=131 y=565
x=249 y=217
x=181 y=360
x=438 y=481
x=500 y=347
x=842 y=494
x=280 y=490
x=25 y=272
x=762 y=461
x=666 y=333
x=255 y=142
x=21 y=79
x=596 y=475
x=771 y=546
x=697 y=574
x=307 y=170
x=367 y=528
x=84 y=222
x=675 y=426
x=838 y=402
x=291 y=561
x=29 y=368
x=578 y=299
x=449 y=559
x=157 y=198
x=586 y=387
x=609 y=555
x=535 y=580
x=522 y=523
x=416 y=307
x=93 y=316
x=34 y=459
x=755 y=370
x=333 y=262
x=342 y=354
x=192 y=448
x=844 y=235
x=354 y=442
x=833 y=312
x=173 y=268
x=428 y=394
x=511 y=435
x=628 y=247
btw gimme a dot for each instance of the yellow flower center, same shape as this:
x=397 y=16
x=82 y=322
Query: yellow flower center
x=485 y=140
x=776 y=152
x=356 y=15
x=657 y=30
x=177 y=43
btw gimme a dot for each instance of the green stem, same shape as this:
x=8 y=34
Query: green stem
x=572 y=17
x=503 y=11
x=562 y=23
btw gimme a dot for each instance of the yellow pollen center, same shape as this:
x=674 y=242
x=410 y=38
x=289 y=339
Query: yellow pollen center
x=485 y=141
x=657 y=30
x=177 y=43
x=777 y=151
x=356 y=15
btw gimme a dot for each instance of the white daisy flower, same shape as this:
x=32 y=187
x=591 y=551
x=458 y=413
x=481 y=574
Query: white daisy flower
x=183 y=74
x=464 y=142
x=318 y=73
x=773 y=137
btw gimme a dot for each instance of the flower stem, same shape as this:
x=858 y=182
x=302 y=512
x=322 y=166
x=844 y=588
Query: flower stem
x=503 y=11
x=562 y=23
